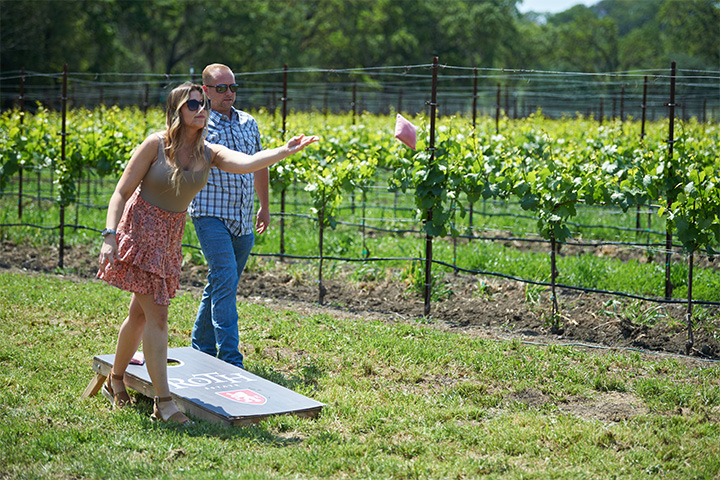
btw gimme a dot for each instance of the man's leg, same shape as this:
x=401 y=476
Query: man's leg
x=226 y=326
x=217 y=246
x=203 y=334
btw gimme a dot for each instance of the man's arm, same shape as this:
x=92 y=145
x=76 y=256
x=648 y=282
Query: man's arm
x=262 y=183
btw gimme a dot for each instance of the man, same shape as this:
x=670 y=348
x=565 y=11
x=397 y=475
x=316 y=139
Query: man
x=223 y=217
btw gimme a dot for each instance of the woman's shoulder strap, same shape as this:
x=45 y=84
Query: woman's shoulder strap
x=161 y=144
x=208 y=153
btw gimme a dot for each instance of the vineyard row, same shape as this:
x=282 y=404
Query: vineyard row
x=548 y=167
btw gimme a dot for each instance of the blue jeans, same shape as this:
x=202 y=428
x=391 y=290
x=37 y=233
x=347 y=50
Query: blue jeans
x=216 y=327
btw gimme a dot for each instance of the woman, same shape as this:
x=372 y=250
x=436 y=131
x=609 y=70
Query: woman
x=141 y=250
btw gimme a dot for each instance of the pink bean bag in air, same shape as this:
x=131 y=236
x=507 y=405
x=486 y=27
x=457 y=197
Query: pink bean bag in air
x=405 y=131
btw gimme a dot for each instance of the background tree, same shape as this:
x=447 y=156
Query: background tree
x=175 y=36
x=690 y=30
x=164 y=33
x=477 y=33
x=583 y=41
x=42 y=36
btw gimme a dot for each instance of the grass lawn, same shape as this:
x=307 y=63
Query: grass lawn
x=404 y=400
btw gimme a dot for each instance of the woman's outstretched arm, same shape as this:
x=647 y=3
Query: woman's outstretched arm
x=238 y=162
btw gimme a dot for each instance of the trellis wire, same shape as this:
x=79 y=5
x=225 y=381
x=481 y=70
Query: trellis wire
x=525 y=89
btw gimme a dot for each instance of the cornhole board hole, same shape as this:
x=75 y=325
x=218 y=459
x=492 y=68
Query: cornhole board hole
x=210 y=389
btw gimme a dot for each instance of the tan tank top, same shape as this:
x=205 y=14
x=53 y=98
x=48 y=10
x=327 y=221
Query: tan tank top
x=157 y=190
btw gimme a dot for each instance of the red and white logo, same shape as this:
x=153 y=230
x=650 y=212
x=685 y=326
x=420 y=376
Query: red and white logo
x=244 y=396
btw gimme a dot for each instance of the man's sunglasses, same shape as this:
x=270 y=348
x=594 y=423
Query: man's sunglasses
x=193 y=105
x=222 y=88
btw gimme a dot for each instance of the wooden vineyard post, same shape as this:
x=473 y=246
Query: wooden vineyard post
x=146 y=105
x=63 y=136
x=474 y=124
x=353 y=104
x=643 y=108
x=365 y=251
x=284 y=100
x=507 y=102
x=642 y=139
x=688 y=316
x=22 y=126
x=613 y=117
x=431 y=148
x=669 y=173
x=354 y=122
x=474 y=104
x=497 y=111
x=555 y=328
x=455 y=267
x=146 y=100
x=321 y=288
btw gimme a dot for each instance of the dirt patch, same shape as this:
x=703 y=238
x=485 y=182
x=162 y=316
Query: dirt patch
x=605 y=407
x=488 y=306
x=608 y=407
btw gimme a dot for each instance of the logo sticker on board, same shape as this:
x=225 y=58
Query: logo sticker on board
x=244 y=396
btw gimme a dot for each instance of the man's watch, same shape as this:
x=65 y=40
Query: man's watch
x=108 y=231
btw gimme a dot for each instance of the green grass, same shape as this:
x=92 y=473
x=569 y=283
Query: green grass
x=404 y=400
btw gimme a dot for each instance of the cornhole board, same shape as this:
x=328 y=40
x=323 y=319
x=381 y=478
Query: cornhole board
x=210 y=389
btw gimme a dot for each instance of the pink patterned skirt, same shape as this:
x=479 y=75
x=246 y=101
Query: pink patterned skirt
x=149 y=253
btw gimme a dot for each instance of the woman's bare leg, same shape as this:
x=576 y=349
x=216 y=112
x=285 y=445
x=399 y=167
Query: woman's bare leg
x=155 y=340
x=129 y=337
x=155 y=346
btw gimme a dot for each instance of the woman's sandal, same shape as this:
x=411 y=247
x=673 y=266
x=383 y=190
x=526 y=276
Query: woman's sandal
x=117 y=399
x=177 y=417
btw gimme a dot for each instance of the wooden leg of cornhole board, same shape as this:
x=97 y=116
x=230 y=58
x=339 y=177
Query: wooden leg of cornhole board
x=102 y=370
x=95 y=385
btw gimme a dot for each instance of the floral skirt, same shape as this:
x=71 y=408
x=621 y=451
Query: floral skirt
x=149 y=253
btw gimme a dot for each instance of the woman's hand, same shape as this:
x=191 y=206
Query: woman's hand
x=299 y=142
x=108 y=251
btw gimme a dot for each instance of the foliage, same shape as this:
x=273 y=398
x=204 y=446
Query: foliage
x=695 y=205
x=691 y=29
x=175 y=36
x=547 y=169
x=585 y=41
x=549 y=175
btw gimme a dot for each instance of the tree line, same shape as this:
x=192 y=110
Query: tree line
x=178 y=36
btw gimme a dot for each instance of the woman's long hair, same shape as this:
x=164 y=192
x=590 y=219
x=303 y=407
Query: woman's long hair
x=176 y=130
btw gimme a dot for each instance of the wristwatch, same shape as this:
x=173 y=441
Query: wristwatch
x=108 y=231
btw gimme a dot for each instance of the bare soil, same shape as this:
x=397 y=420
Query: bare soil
x=500 y=310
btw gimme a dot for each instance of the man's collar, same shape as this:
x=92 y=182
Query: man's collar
x=217 y=116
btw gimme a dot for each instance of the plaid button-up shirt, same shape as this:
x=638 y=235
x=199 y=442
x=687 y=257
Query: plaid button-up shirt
x=230 y=196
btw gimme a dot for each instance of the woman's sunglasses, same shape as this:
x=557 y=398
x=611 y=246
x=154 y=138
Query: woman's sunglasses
x=193 y=105
x=222 y=88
